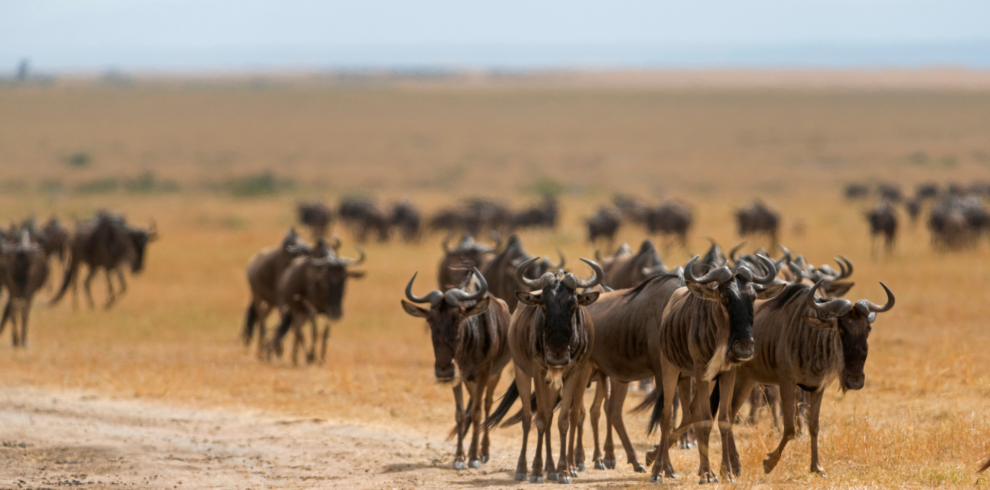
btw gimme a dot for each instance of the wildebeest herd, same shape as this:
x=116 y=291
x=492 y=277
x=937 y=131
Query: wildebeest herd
x=28 y=252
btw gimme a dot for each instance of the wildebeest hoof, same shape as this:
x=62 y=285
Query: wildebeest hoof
x=536 y=479
x=737 y=471
x=564 y=480
x=639 y=468
x=707 y=478
x=475 y=464
x=580 y=466
x=656 y=479
x=768 y=465
x=599 y=465
x=485 y=458
x=610 y=463
x=574 y=474
x=819 y=471
x=458 y=465
x=552 y=476
x=520 y=476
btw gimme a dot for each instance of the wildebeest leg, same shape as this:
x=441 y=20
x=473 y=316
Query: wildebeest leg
x=726 y=385
x=489 y=399
x=800 y=411
x=25 y=312
x=540 y=388
x=551 y=399
x=298 y=337
x=787 y=407
x=610 y=460
x=579 y=450
x=703 y=429
x=14 y=332
x=563 y=424
x=122 y=281
x=86 y=284
x=773 y=403
x=461 y=426
x=263 y=312
x=324 y=338
x=523 y=384
x=816 y=405
x=477 y=399
x=683 y=399
x=576 y=415
x=615 y=403
x=667 y=378
x=314 y=333
x=596 y=414
x=756 y=399
x=743 y=391
x=6 y=316
x=111 y=296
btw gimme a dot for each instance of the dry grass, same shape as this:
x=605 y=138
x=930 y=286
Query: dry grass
x=921 y=420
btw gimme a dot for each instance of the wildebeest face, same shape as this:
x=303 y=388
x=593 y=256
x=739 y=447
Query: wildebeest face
x=560 y=307
x=737 y=298
x=854 y=331
x=327 y=283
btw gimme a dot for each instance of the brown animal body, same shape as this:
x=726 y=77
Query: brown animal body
x=672 y=220
x=457 y=262
x=264 y=270
x=604 y=224
x=317 y=216
x=500 y=271
x=469 y=331
x=312 y=285
x=106 y=243
x=758 y=219
x=883 y=221
x=805 y=343
x=550 y=337
x=23 y=271
x=707 y=329
x=629 y=270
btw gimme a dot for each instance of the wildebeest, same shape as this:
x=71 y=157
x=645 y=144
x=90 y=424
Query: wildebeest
x=312 y=285
x=24 y=269
x=883 y=221
x=604 y=224
x=913 y=207
x=473 y=216
x=550 y=337
x=542 y=215
x=855 y=191
x=759 y=219
x=985 y=466
x=469 y=330
x=458 y=261
x=364 y=216
x=406 y=218
x=672 y=220
x=629 y=270
x=105 y=242
x=927 y=190
x=890 y=192
x=956 y=222
x=632 y=209
x=263 y=272
x=56 y=241
x=706 y=330
x=805 y=343
x=317 y=216
x=500 y=271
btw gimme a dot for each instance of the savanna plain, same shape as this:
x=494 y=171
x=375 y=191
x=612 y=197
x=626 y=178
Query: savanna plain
x=160 y=392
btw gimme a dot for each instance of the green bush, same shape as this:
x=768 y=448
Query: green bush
x=98 y=186
x=262 y=184
x=79 y=159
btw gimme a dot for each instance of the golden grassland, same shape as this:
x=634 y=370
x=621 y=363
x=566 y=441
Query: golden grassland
x=921 y=420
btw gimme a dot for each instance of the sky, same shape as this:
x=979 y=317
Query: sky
x=253 y=35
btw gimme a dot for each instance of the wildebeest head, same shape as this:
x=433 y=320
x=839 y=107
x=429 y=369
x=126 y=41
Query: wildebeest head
x=852 y=322
x=139 y=240
x=326 y=278
x=560 y=304
x=735 y=290
x=446 y=313
x=833 y=284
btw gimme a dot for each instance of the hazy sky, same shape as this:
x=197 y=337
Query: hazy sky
x=311 y=34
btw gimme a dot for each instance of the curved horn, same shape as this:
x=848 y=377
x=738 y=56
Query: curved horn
x=433 y=297
x=455 y=296
x=445 y=244
x=336 y=242
x=771 y=271
x=872 y=308
x=720 y=274
x=497 y=239
x=598 y=256
x=350 y=261
x=835 y=307
x=785 y=258
x=848 y=269
x=525 y=281
x=573 y=282
x=732 y=253
x=563 y=259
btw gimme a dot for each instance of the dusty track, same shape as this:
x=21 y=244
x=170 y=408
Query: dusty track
x=56 y=439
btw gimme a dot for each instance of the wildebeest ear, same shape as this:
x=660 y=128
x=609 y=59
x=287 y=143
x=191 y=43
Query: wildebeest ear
x=480 y=307
x=703 y=291
x=826 y=324
x=770 y=291
x=414 y=310
x=528 y=298
x=356 y=274
x=838 y=289
x=588 y=298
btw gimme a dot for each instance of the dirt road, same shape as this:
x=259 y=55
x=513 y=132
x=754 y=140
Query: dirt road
x=58 y=439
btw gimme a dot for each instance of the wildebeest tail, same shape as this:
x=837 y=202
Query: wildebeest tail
x=508 y=399
x=249 y=320
x=467 y=422
x=657 y=411
x=714 y=400
x=650 y=399
x=515 y=419
x=985 y=466
x=70 y=271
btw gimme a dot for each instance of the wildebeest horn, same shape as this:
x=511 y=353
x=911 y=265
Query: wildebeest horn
x=771 y=271
x=563 y=259
x=872 y=308
x=719 y=274
x=445 y=244
x=497 y=239
x=433 y=297
x=336 y=242
x=785 y=258
x=350 y=261
x=835 y=307
x=732 y=253
x=847 y=270
x=598 y=256
x=152 y=230
x=455 y=296
x=521 y=276
x=572 y=282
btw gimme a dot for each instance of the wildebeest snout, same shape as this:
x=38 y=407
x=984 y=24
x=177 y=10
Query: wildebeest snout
x=855 y=381
x=558 y=359
x=743 y=349
x=444 y=373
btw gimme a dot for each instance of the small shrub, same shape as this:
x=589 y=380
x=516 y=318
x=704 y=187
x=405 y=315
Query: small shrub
x=147 y=183
x=79 y=160
x=98 y=186
x=546 y=186
x=51 y=186
x=262 y=184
